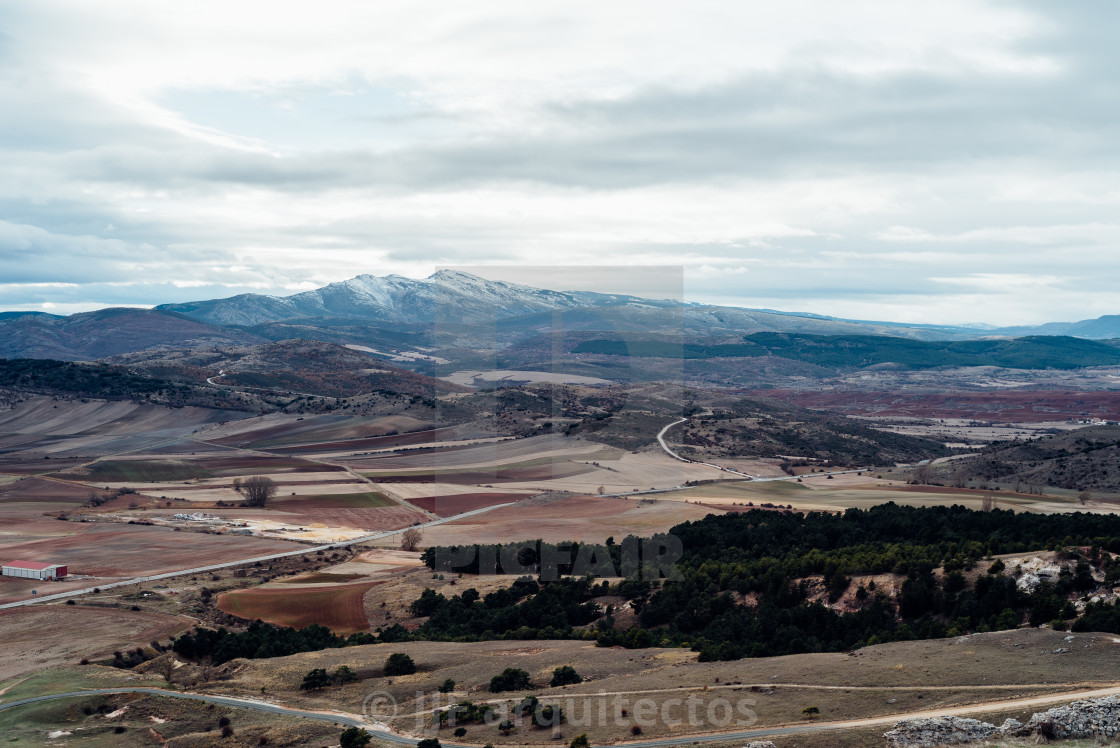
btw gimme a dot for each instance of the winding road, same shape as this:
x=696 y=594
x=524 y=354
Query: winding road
x=748 y=476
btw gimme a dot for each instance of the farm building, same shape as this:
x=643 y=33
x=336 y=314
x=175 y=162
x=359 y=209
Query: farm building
x=34 y=570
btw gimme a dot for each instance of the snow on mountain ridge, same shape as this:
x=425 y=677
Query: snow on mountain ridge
x=446 y=294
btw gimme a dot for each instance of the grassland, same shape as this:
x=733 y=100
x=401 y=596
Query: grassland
x=139 y=720
x=876 y=681
x=43 y=636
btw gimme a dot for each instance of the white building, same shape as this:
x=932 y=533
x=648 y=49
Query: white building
x=34 y=570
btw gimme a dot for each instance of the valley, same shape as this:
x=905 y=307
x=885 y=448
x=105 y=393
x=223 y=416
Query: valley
x=133 y=472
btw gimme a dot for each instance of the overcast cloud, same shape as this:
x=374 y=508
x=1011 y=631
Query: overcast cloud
x=951 y=162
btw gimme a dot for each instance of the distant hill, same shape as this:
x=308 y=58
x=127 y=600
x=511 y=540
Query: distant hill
x=447 y=296
x=290 y=366
x=1100 y=328
x=1084 y=460
x=107 y=332
x=449 y=301
x=861 y=351
x=70 y=379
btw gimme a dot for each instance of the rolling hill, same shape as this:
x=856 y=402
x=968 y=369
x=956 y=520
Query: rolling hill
x=108 y=332
x=861 y=351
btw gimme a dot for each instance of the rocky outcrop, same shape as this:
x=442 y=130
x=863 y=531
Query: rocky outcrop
x=1089 y=718
x=926 y=733
x=760 y=744
x=1082 y=719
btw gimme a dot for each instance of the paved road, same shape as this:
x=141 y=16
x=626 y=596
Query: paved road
x=270 y=557
x=354 y=720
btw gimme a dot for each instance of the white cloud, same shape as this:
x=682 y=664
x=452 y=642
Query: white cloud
x=860 y=159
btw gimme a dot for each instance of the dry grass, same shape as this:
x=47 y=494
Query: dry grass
x=933 y=675
x=49 y=636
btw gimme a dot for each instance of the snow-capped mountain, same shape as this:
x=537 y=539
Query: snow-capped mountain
x=449 y=296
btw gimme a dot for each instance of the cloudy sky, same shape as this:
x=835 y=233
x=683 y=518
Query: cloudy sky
x=929 y=162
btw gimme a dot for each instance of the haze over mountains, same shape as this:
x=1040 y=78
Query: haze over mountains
x=466 y=310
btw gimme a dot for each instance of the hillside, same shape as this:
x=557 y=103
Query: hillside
x=1084 y=460
x=107 y=332
x=67 y=379
x=292 y=366
x=767 y=428
x=860 y=351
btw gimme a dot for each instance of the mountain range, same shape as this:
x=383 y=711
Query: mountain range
x=449 y=309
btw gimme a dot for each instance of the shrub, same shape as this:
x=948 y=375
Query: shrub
x=315 y=679
x=511 y=679
x=447 y=686
x=428 y=743
x=565 y=676
x=579 y=741
x=344 y=675
x=354 y=737
x=399 y=664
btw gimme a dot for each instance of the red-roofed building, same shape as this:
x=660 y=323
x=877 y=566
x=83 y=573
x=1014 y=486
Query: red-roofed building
x=34 y=570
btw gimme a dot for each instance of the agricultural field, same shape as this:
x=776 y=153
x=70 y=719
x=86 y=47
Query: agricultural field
x=108 y=552
x=44 y=636
x=337 y=606
x=820 y=493
x=41 y=432
x=584 y=518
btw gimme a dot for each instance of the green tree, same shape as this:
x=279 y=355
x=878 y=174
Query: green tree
x=344 y=675
x=511 y=679
x=315 y=679
x=460 y=732
x=399 y=664
x=811 y=711
x=447 y=686
x=354 y=737
x=428 y=743
x=565 y=675
x=579 y=741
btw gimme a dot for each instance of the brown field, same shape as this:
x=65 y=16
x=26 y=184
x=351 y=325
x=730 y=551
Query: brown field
x=64 y=430
x=322 y=577
x=486 y=475
x=338 y=607
x=875 y=681
x=53 y=635
x=374 y=518
x=114 y=551
x=143 y=469
x=41 y=491
x=447 y=506
x=283 y=432
x=501 y=453
x=408 y=491
x=583 y=518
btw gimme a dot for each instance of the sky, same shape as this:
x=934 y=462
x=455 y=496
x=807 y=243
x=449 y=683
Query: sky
x=950 y=162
